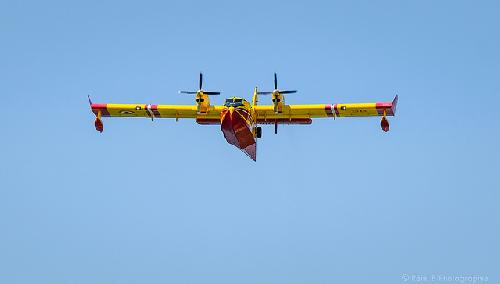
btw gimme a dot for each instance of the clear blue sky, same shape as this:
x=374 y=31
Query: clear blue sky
x=165 y=202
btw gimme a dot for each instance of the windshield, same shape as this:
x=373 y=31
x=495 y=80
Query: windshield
x=233 y=102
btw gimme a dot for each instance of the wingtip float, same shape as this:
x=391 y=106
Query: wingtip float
x=239 y=119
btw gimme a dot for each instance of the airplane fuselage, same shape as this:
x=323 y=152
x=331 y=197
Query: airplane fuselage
x=238 y=125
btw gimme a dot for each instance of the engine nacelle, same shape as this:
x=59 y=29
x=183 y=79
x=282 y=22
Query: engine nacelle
x=202 y=102
x=278 y=102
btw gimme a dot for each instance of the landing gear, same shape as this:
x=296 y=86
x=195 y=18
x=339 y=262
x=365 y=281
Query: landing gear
x=258 y=132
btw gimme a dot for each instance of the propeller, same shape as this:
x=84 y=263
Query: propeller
x=277 y=98
x=276 y=90
x=200 y=90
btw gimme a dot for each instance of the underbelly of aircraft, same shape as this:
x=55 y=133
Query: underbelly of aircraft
x=238 y=132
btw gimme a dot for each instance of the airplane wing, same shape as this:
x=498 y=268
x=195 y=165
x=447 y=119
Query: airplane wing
x=302 y=114
x=154 y=111
x=211 y=116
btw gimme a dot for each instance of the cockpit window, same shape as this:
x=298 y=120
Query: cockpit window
x=232 y=102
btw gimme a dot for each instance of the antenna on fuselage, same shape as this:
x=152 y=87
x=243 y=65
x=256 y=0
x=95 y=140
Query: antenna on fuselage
x=255 y=98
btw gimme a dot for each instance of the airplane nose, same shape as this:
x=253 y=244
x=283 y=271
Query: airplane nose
x=231 y=110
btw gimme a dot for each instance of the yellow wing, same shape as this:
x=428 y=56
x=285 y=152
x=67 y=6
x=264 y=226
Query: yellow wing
x=155 y=111
x=211 y=116
x=266 y=113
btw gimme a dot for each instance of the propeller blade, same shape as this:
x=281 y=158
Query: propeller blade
x=264 y=93
x=188 y=92
x=275 y=81
x=288 y=92
x=201 y=80
x=211 y=93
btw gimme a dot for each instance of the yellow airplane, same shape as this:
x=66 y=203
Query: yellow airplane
x=239 y=119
